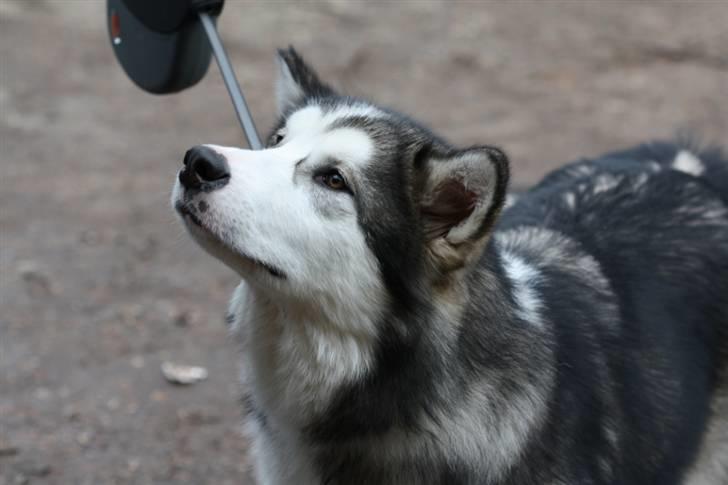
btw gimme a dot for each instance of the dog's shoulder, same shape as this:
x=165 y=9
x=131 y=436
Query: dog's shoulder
x=624 y=258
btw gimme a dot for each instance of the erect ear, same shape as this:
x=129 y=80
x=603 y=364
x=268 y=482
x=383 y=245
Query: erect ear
x=462 y=194
x=296 y=80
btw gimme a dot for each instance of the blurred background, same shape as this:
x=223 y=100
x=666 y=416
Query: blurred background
x=98 y=283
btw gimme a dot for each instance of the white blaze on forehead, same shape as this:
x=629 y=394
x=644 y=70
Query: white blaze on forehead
x=307 y=133
x=353 y=111
x=688 y=163
x=312 y=119
x=349 y=145
x=306 y=121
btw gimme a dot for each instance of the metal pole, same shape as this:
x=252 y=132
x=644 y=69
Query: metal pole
x=231 y=82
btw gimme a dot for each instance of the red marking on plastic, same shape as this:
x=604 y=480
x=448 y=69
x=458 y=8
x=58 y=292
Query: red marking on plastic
x=115 y=26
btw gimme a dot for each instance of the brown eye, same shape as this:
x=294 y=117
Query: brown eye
x=333 y=180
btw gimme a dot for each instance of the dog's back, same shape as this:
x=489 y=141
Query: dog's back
x=631 y=255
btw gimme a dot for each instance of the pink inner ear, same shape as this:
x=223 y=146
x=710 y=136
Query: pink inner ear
x=451 y=203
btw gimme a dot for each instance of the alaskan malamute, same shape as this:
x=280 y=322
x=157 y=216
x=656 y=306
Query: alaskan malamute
x=400 y=326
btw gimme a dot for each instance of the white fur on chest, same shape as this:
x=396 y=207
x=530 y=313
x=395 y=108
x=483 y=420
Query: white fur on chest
x=294 y=360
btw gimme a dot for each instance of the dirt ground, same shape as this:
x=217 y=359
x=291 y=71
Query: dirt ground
x=98 y=283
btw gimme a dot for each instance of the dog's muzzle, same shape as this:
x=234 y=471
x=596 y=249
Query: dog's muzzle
x=204 y=170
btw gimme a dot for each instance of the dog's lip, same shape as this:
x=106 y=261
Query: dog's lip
x=186 y=213
x=189 y=215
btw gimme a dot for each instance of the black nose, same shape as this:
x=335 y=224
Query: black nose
x=204 y=169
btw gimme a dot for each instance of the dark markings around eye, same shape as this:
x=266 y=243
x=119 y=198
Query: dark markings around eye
x=332 y=179
x=276 y=138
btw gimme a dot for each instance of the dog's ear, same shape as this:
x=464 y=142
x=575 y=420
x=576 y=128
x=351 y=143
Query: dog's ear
x=296 y=81
x=463 y=192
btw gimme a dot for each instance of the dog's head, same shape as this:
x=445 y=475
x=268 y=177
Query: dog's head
x=348 y=202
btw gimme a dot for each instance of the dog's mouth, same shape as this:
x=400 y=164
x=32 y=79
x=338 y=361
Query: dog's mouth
x=188 y=215
x=209 y=240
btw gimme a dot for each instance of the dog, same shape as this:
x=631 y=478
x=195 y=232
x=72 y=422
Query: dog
x=400 y=325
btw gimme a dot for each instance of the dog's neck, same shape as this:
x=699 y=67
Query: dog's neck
x=299 y=353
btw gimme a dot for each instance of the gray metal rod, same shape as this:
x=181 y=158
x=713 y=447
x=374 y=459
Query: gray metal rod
x=231 y=82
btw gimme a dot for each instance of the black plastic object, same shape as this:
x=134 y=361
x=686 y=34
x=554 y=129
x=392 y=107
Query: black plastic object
x=161 y=44
x=162 y=47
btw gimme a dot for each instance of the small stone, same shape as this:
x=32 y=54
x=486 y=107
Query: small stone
x=183 y=374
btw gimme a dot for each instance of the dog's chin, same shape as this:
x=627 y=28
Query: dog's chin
x=216 y=246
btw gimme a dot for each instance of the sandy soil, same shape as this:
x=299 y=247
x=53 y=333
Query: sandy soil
x=98 y=284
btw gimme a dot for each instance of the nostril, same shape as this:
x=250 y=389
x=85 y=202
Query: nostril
x=210 y=170
x=204 y=167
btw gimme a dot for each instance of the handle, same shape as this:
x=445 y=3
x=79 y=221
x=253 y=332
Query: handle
x=231 y=82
